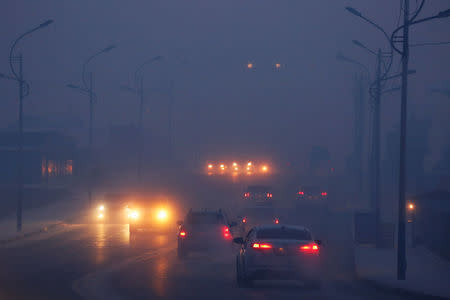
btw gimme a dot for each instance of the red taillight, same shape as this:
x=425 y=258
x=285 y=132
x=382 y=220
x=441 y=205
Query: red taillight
x=261 y=246
x=277 y=221
x=269 y=195
x=310 y=248
x=324 y=193
x=244 y=220
x=246 y=195
x=226 y=232
x=183 y=233
x=301 y=193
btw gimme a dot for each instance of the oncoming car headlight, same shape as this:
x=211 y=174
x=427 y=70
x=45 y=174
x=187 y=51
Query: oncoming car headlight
x=133 y=214
x=162 y=215
x=101 y=211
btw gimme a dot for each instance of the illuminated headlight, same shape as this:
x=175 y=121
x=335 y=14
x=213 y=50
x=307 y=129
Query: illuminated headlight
x=101 y=207
x=133 y=215
x=100 y=216
x=162 y=215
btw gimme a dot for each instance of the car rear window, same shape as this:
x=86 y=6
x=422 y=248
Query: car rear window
x=283 y=234
x=205 y=218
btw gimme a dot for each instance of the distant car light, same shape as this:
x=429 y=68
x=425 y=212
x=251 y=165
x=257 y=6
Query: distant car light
x=301 y=193
x=324 y=194
x=277 y=221
x=101 y=207
x=100 y=216
x=133 y=215
x=162 y=215
x=244 y=220
x=183 y=233
x=210 y=166
x=226 y=232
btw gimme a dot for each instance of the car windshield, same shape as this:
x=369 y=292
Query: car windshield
x=205 y=218
x=283 y=234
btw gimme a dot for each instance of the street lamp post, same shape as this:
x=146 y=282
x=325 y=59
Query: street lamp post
x=139 y=91
x=404 y=39
x=375 y=183
x=22 y=84
x=89 y=89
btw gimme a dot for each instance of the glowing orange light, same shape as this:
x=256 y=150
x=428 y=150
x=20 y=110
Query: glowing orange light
x=210 y=166
x=277 y=65
x=411 y=206
x=249 y=65
x=264 y=168
x=182 y=233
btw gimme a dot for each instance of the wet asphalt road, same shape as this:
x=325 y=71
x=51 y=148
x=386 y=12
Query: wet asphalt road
x=100 y=261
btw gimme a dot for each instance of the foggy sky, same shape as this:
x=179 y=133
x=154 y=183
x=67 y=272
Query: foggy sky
x=206 y=45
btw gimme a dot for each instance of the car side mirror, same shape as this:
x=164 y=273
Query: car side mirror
x=238 y=240
x=232 y=224
x=179 y=223
x=318 y=242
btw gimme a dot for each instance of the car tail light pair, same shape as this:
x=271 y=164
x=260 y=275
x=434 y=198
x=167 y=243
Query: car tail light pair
x=261 y=246
x=324 y=194
x=301 y=193
x=226 y=232
x=269 y=195
x=310 y=248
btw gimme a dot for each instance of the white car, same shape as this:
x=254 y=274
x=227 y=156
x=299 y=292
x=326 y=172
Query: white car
x=278 y=252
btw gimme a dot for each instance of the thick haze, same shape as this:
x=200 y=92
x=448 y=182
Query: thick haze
x=219 y=105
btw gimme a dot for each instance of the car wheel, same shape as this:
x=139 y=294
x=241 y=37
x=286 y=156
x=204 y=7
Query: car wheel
x=242 y=280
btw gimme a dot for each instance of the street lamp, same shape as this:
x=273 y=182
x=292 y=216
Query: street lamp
x=376 y=86
x=88 y=89
x=407 y=21
x=18 y=76
x=139 y=91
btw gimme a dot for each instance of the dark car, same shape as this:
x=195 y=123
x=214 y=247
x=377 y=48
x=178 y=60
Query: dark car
x=278 y=252
x=257 y=196
x=311 y=194
x=203 y=230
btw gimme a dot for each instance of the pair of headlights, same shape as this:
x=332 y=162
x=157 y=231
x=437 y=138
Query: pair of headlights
x=161 y=215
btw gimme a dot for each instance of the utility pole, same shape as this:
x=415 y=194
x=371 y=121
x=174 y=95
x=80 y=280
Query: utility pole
x=21 y=156
x=401 y=242
x=376 y=147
